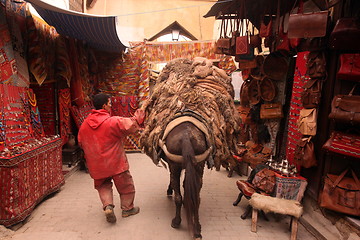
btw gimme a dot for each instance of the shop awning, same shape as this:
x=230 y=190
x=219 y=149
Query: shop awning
x=100 y=32
x=252 y=10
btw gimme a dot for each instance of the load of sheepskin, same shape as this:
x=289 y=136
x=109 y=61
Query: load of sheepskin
x=199 y=86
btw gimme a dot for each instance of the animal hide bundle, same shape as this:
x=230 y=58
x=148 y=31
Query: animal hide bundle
x=198 y=86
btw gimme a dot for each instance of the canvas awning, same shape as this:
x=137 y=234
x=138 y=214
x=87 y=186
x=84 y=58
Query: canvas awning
x=100 y=32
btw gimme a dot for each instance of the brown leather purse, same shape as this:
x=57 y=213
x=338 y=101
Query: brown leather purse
x=266 y=26
x=275 y=67
x=341 y=194
x=244 y=93
x=253 y=92
x=271 y=110
x=223 y=44
x=304 y=153
x=316 y=64
x=307 y=121
x=311 y=95
x=308 y=25
x=346 y=108
x=345 y=34
x=244 y=112
x=267 y=89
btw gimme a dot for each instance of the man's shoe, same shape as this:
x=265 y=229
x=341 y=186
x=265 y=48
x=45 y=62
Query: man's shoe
x=133 y=211
x=109 y=213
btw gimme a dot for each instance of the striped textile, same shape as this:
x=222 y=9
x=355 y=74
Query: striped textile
x=98 y=31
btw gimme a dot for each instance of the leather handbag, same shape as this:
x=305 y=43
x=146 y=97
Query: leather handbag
x=267 y=89
x=304 y=153
x=341 y=194
x=266 y=26
x=244 y=95
x=308 y=25
x=283 y=42
x=223 y=44
x=253 y=92
x=316 y=64
x=264 y=181
x=244 y=112
x=242 y=42
x=307 y=121
x=271 y=110
x=275 y=67
x=256 y=71
x=349 y=67
x=311 y=95
x=346 y=108
x=255 y=40
x=345 y=34
x=343 y=143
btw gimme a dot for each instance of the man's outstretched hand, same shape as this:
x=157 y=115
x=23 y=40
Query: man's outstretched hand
x=139 y=116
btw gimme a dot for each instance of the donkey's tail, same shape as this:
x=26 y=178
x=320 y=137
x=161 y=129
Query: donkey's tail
x=192 y=182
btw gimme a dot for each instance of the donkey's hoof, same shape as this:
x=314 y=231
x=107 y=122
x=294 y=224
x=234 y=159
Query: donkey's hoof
x=175 y=223
x=197 y=237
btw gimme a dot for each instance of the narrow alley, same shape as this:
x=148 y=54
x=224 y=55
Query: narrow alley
x=74 y=213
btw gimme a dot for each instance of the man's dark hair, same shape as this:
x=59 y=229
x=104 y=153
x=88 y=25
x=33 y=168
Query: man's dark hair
x=99 y=100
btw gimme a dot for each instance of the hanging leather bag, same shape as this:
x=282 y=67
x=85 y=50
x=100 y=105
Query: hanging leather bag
x=308 y=25
x=341 y=194
x=244 y=112
x=311 y=95
x=242 y=42
x=349 y=67
x=267 y=89
x=345 y=35
x=316 y=64
x=271 y=110
x=347 y=144
x=346 y=108
x=266 y=26
x=275 y=66
x=283 y=42
x=307 y=121
x=244 y=93
x=304 y=153
x=223 y=44
x=253 y=92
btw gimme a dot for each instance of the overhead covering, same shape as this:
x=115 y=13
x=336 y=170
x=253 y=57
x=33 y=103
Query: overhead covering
x=252 y=10
x=100 y=32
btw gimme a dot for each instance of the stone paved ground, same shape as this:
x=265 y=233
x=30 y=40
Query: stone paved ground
x=74 y=213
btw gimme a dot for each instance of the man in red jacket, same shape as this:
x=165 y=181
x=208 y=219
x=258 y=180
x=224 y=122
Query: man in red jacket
x=102 y=136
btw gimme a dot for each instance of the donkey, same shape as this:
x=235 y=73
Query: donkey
x=185 y=147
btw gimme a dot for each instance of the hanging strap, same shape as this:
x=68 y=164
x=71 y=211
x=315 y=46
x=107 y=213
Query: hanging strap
x=352 y=90
x=341 y=176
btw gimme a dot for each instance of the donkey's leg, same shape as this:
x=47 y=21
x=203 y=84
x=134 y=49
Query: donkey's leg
x=169 y=191
x=197 y=225
x=175 y=172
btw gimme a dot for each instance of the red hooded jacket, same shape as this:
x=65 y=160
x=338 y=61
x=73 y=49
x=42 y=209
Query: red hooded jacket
x=102 y=139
